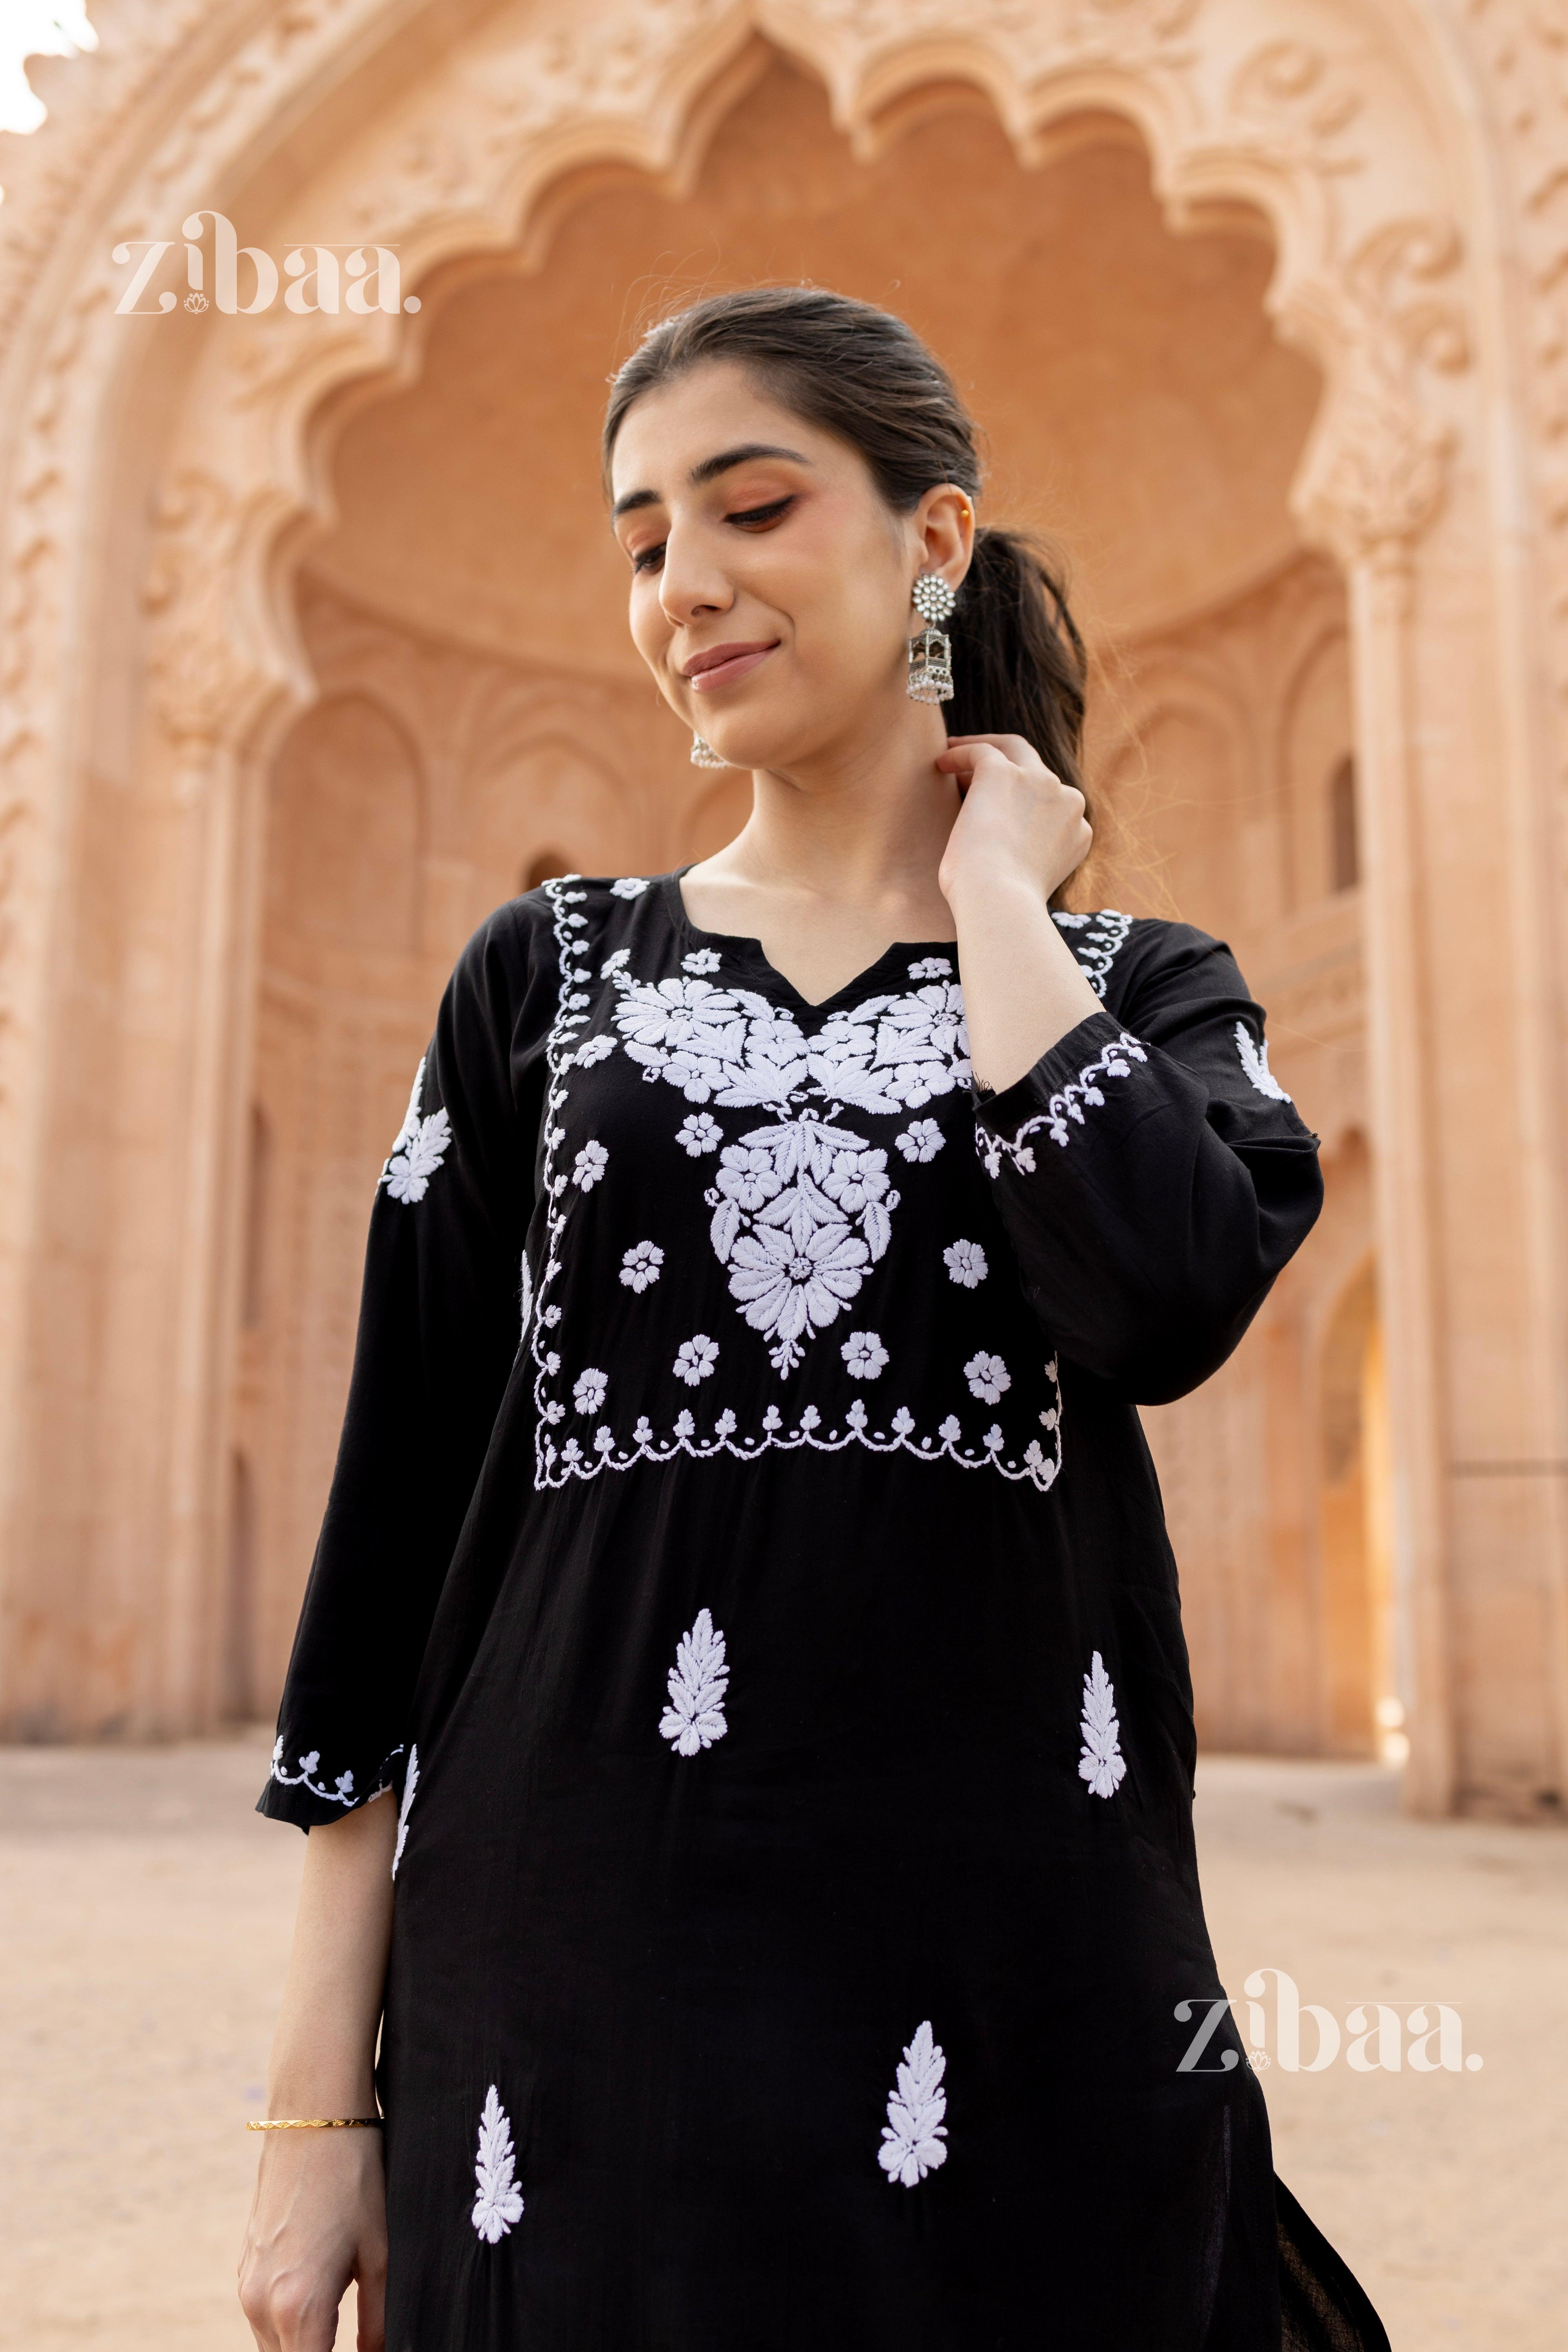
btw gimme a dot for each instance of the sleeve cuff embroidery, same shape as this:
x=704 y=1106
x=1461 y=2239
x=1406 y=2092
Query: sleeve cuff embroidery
x=343 y=1791
x=1067 y=1106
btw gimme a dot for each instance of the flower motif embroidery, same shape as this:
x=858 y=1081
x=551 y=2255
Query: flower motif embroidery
x=592 y=1050
x=696 y=1682
x=589 y=1166
x=421 y=1146
x=589 y=1389
x=497 y=2206
x=1255 y=1062
x=699 y=1134
x=1101 y=1764
x=965 y=1262
x=866 y=1357
x=630 y=886
x=695 y=1359
x=932 y=968
x=921 y=1140
x=801 y=1211
x=988 y=1378
x=641 y=1266
x=702 y=961
x=914 y=2138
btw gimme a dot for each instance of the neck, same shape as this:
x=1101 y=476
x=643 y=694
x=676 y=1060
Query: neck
x=861 y=823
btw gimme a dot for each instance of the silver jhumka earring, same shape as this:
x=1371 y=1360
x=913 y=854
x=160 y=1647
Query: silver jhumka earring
x=703 y=755
x=931 y=653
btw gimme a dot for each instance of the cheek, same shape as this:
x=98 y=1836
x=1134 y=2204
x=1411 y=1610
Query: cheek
x=651 y=630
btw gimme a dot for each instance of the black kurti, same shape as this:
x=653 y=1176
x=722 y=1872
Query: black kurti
x=745 y=1562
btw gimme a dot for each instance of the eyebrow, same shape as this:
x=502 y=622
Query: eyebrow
x=707 y=470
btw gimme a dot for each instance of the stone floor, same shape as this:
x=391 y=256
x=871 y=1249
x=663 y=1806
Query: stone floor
x=146 y=1915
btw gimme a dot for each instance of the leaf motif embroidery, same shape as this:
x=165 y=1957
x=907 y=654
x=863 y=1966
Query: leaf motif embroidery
x=1101 y=1764
x=421 y=1145
x=698 y=1680
x=499 y=2204
x=1255 y=1062
x=411 y=1782
x=914 y=2138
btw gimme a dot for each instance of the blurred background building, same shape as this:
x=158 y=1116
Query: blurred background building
x=313 y=652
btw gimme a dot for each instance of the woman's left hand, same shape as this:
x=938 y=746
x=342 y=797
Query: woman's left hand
x=1018 y=824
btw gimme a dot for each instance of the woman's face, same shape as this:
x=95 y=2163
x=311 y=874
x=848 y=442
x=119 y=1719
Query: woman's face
x=771 y=582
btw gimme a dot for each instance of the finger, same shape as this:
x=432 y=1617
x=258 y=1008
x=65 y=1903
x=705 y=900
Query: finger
x=1016 y=748
x=371 y=2301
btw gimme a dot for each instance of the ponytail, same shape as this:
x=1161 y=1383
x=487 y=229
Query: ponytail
x=1018 y=662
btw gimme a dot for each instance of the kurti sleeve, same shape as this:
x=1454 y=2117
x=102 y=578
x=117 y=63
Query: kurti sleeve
x=438 y=1330
x=1152 y=1173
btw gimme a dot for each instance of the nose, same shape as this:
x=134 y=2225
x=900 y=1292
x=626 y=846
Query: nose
x=693 y=584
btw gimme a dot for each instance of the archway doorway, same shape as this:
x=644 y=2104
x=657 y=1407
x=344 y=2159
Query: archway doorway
x=482 y=717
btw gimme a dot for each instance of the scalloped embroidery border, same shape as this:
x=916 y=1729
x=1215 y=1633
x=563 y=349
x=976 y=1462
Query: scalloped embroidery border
x=1115 y=1062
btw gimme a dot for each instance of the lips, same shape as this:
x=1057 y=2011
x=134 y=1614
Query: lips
x=721 y=665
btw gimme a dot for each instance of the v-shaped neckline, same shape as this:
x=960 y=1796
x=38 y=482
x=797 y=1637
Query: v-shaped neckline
x=735 y=947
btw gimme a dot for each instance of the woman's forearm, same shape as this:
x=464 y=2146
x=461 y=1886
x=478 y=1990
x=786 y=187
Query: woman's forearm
x=1023 y=987
x=323 y=2054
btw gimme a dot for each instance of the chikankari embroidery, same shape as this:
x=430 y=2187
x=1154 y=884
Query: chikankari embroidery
x=421 y=1147
x=698 y=1680
x=342 y=1790
x=1115 y=1062
x=497 y=2206
x=1255 y=1062
x=800 y=1210
x=1097 y=940
x=914 y=2138
x=1101 y=1764
x=410 y=1782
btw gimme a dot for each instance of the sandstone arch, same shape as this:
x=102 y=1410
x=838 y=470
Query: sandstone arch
x=1360 y=131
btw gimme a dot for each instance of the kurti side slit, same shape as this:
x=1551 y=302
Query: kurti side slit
x=746 y=1571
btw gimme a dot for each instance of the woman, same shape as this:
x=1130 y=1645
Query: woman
x=774 y=1651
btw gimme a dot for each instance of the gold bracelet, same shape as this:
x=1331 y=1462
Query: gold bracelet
x=318 y=2123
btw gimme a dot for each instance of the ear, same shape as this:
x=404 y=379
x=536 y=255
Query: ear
x=944 y=532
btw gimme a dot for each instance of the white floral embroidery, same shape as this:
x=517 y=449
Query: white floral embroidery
x=699 y=1134
x=696 y=1682
x=988 y=1377
x=524 y=1298
x=589 y=1388
x=630 y=886
x=557 y=1461
x=921 y=1140
x=1101 y=1763
x=914 y=2138
x=965 y=1262
x=800 y=1212
x=589 y=1166
x=866 y=1358
x=701 y=960
x=695 y=1359
x=593 y=1049
x=932 y=968
x=617 y=962
x=1255 y=1062
x=641 y=1266
x=421 y=1146
x=1104 y=935
x=410 y=1782
x=1115 y=1062
x=342 y=1790
x=497 y=2206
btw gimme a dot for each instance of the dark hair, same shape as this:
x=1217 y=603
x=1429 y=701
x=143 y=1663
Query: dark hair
x=1018 y=660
